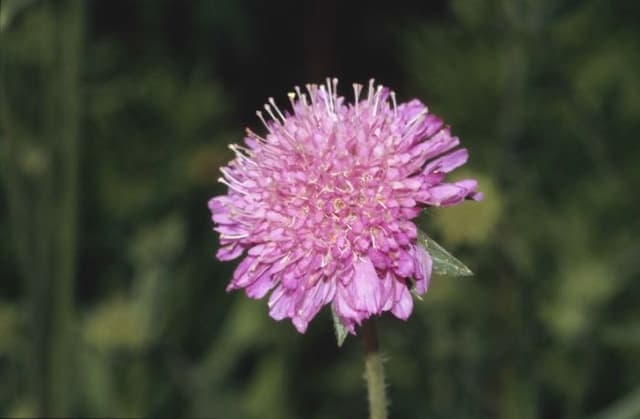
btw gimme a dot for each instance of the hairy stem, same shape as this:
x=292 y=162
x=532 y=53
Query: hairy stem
x=374 y=372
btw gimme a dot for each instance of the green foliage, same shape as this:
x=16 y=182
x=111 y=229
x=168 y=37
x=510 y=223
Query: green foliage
x=552 y=118
x=544 y=95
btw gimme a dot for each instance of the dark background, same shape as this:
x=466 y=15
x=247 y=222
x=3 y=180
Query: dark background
x=115 y=116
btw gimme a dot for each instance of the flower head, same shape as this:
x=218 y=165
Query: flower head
x=323 y=203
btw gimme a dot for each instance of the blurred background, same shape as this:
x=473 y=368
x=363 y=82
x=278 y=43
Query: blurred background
x=114 y=120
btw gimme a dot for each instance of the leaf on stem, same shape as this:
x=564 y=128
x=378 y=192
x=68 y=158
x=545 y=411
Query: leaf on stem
x=444 y=263
x=338 y=327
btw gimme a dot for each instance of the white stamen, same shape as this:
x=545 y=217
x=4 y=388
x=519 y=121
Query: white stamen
x=273 y=117
x=292 y=97
x=377 y=95
x=234 y=236
x=370 y=93
x=327 y=105
x=300 y=95
x=256 y=136
x=357 y=88
x=232 y=186
x=238 y=148
x=229 y=176
x=331 y=104
x=263 y=120
x=395 y=104
x=239 y=151
x=273 y=103
x=312 y=88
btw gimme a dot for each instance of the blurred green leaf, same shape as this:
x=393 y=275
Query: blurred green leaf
x=264 y=393
x=8 y=327
x=627 y=407
x=10 y=9
x=471 y=222
x=623 y=335
x=116 y=323
x=444 y=263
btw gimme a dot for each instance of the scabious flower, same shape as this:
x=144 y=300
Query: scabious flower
x=323 y=203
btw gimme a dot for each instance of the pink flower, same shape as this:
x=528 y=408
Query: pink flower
x=323 y=204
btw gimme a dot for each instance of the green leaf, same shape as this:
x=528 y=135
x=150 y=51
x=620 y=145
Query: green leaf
x=338 y=327
x=444 y=263
x=627 y=407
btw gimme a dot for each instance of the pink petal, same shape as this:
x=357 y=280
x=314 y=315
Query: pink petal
x=345 y=307
x=241 y=275
x=260 y=286
x=366 y=286
x=282 y=303
x=423 y=263
x=388 y=291
x=229 y=252
x=404 y=304
x=405 y=264
x=448 y=162
x=310 y=305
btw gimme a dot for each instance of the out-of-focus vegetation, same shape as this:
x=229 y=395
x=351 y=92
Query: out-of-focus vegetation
x=115 y=116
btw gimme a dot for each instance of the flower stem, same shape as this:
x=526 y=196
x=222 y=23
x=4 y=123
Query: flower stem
x=374 y=371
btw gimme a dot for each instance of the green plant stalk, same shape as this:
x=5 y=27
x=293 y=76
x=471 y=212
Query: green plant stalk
x=374 y=372
x=69 y=19
x=43 y=206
